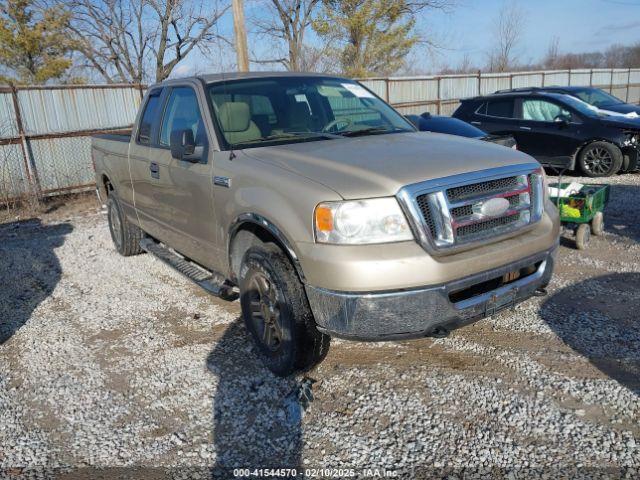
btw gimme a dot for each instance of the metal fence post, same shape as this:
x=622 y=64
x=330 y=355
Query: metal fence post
x=479 y=83
x=30 y=168
x=611 y=82
x=439 y=104
x=628 y=85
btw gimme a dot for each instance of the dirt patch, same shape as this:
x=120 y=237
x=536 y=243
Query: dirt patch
x=52 y=209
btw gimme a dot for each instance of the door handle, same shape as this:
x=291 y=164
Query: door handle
x=525 y=128
x=154 y=168
x=476 y=123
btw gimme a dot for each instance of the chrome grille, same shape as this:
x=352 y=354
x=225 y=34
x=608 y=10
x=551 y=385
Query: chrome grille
x=484 y=188
x=473 y=230
x=423 y=203
x=461 y=210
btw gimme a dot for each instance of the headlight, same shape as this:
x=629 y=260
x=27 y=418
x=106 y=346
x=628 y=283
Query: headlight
x=539 y=189
x=378 y=220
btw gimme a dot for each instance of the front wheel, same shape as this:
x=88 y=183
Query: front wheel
x=277 y=314
x=600 y=159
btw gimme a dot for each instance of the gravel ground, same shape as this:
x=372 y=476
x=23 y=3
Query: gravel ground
x=120 y=362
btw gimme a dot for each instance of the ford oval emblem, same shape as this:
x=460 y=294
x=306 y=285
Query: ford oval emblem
x=492 y=207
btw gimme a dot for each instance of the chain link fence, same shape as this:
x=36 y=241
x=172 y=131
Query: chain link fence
x=45 y=135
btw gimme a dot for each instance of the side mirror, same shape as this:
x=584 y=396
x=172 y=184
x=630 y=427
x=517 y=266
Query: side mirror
x=182 y=144
x=562 y=120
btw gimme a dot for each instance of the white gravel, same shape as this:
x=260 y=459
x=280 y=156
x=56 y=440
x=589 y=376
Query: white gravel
x=120 y=362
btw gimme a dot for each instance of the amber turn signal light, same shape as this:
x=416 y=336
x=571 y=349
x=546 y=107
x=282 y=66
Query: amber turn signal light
x=324 y=219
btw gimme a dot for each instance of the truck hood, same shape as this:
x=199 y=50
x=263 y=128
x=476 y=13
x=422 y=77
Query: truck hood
x=380 y=165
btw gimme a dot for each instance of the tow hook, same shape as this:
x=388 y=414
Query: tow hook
x=540 y=292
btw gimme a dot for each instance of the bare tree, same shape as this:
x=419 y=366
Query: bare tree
x=287 y=22
x=141 y=40
x=552 y=56
x=508 y=32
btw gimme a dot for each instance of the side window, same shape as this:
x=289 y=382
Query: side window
x=149 y=116
x=542 y=110
x=182 y=113
x=500 y=108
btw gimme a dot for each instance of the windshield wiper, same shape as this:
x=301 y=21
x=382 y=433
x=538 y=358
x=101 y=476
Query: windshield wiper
x=283 y=135
x=369 y=130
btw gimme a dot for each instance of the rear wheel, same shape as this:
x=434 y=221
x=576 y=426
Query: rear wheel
x=597 y=224
x=125 y=235
x=583 y=236
x=600 y=159
x=277 y=314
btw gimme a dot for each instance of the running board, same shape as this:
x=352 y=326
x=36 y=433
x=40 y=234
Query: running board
x=212 y=283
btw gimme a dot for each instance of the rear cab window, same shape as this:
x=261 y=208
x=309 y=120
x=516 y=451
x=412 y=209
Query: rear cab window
x=149 y=117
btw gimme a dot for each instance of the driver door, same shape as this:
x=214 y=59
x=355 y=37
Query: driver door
x=189 y=222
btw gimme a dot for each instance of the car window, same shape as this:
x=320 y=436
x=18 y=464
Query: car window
x=542 y=110
x=182 y=113
x=500 y=108
x=149 y=116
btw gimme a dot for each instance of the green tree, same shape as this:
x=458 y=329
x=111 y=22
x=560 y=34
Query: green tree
x=34 y=44
x=375 y=35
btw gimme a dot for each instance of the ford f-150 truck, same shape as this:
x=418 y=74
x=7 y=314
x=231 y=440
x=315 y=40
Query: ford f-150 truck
x=324 y=210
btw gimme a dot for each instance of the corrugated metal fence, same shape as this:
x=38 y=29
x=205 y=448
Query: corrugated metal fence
x=442 y=94
x=45 y=134
x=45 y=144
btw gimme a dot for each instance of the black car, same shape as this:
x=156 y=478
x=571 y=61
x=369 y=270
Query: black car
x=558 y=130
x=453 y=126
x=593 y=96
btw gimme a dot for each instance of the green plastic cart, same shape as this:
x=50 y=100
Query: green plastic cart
x=583 y=212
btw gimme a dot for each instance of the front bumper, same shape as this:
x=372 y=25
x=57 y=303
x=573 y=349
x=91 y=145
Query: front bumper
x=421 y=312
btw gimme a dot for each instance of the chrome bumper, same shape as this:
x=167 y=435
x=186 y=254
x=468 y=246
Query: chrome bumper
x=420 y=312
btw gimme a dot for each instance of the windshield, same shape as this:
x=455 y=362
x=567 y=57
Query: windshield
x=582 y=106
x=596 y=97
x=272 y=111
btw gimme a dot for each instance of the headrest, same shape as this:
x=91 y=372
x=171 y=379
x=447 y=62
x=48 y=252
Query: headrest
x=234 y=116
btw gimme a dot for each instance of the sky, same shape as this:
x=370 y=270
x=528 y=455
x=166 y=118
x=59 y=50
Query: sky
x=468 y=28
x=580 y=25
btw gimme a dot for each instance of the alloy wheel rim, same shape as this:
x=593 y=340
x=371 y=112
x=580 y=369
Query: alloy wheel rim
x=265 y=313
x=116 y=226
x=598 y=160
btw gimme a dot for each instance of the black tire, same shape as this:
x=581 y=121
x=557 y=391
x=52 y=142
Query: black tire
x=600 y=159
x=288 y=341
x=583 y=236
x=597 y=224
x=125 y=235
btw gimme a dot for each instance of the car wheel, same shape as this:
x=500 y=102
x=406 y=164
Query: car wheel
x=597 y=224
x=600 y=159
x=277 y=314
x=583 y=236
x=125 y=235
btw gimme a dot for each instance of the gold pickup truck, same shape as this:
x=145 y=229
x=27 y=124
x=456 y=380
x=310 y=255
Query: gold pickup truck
x=325 y=211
